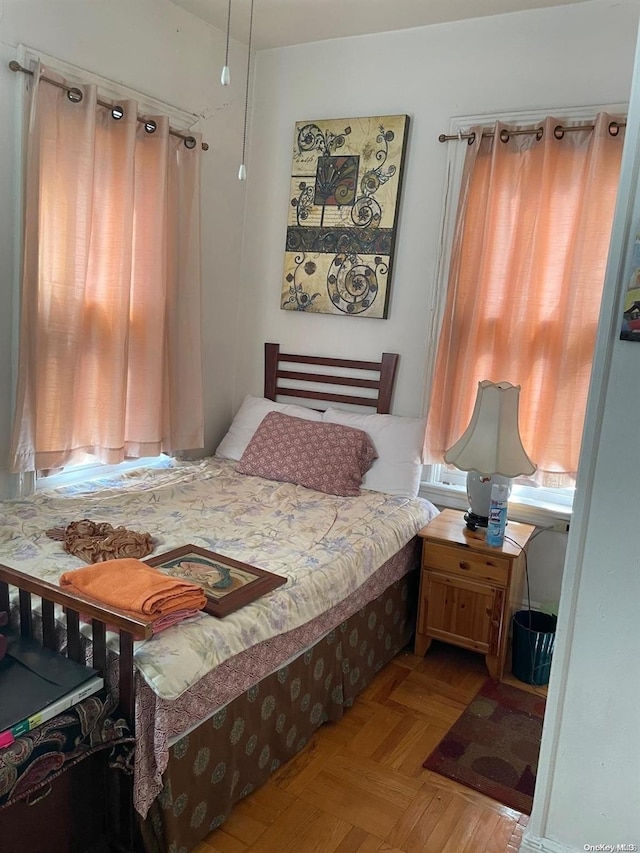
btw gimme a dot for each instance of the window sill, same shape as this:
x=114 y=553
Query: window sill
x=538 y=513
x=78 y=474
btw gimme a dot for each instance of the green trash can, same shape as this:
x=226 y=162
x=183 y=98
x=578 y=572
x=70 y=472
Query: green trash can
x=534 y=635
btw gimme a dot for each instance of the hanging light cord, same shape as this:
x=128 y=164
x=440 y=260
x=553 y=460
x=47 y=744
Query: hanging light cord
x=226 y=52
x=225 y=77
x=246 y=96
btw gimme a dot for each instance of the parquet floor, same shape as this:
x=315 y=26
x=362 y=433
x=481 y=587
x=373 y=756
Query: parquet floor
x=359 y=785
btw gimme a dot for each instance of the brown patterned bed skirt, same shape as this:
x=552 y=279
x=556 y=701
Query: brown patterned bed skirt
x=234 y=752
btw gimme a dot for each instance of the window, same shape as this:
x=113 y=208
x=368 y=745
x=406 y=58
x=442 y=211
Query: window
x=523 y=277
x=545 y=506
x=109 y=361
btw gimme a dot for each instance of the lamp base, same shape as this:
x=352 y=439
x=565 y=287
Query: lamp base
x=475 y=521
x=479 y=495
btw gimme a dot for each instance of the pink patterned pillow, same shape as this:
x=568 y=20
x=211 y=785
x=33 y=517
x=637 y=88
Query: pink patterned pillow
x=331 y=458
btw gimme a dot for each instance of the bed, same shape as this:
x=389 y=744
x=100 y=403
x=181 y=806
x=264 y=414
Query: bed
x=219 y=704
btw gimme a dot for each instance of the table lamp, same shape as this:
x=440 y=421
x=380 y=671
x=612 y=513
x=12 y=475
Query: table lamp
x=490 y=449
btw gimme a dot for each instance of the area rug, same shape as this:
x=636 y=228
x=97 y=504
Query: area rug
x=494 y=746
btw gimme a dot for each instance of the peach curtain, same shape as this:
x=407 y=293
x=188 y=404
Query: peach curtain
x=109 y=360
x=526 y=277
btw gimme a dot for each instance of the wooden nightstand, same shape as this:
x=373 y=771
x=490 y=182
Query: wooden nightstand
x=469 y=591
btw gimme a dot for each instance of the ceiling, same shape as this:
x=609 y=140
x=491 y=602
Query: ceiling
x=278 y=23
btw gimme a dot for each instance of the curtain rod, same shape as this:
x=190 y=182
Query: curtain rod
x=75 y=95
x=558 y=131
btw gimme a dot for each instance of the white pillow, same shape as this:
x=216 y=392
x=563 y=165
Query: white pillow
x=399 y=443
x=249 y=418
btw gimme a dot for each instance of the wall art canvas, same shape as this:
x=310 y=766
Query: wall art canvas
x=346 y=177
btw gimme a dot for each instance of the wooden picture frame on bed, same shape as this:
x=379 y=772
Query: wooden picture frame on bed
x=228 y=584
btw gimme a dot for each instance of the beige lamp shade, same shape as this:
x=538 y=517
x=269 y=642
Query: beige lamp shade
x=491 y=443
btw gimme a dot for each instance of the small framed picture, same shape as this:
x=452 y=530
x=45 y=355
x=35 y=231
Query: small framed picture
x=228 y=584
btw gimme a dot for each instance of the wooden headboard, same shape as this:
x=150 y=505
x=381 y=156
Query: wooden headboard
x=382 y=382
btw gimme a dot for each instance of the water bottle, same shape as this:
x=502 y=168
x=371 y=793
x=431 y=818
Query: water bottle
x=497 y=514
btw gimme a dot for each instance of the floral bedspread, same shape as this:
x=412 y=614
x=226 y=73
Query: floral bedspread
x=326 y=546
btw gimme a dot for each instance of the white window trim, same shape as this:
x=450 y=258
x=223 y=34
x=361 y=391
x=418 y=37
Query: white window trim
x=552 y=508
x=75 y=474
x=536 y=511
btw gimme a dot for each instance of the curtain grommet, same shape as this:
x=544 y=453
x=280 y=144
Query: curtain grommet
x=504 y=135
x=117 y=112
x=614 y=128
x=150 y=126
x=558 y=131
x=190 y=142
x=75 y=95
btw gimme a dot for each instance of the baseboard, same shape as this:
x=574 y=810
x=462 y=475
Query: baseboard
x=533 y=844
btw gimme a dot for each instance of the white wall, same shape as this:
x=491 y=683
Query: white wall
x=159 y=50
x=568 y=56
x=545 y=560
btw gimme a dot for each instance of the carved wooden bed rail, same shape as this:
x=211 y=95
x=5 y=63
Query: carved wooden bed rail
x=101 y=616
x=123 y=834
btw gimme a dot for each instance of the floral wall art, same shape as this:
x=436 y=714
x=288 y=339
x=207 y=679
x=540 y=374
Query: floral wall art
x=346 y=177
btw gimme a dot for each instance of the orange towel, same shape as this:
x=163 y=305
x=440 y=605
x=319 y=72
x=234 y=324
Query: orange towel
x=131 y=585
